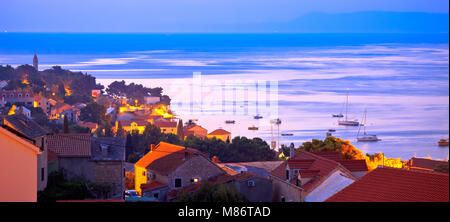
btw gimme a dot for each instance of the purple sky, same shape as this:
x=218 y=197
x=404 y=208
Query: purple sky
x=154 y=15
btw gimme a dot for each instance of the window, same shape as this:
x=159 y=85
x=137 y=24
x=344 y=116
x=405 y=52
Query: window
x=177 y=182
x=42 y=143
x=156 y=195
x=195 y=180
x=287 y=174
x=143 y=173
x=42 y=174
x=251 y=183
x=283 y=199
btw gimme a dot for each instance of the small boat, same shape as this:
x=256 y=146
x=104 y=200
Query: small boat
x=230 y=121
x=258 y=117
x=443 y=142
x=253 y=128
x=331 y=130
x=340 y=115
x=347 y=122
x=287 y=134
x=366 y=137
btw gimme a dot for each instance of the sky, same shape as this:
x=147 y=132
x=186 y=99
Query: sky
x=173 y=15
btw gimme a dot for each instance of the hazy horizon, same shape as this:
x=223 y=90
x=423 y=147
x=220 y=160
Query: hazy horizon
x=220 y=16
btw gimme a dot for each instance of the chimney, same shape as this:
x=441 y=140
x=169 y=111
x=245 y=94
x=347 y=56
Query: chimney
x=291 y=151
x=186 y=154
x=152 y=147
x=215 y=159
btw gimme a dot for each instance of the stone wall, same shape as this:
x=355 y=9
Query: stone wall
x=194 y=167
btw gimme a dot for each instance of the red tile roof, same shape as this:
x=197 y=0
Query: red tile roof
x=425 y=164
x=321 y=165
x=332 y=155
x=70 y=145
x=166 y=157
x=219 y=132
x=152 y=185
x=308 y=173
x=354 y=165
x=300 y=164
x=164 y=124
x=161 y=150
x=396 y=185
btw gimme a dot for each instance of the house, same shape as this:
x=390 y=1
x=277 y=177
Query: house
x=96 y=159
x=167 y=126
x=309 y=177
x=195 y=130
x=385 y=184
x=423 y=164
x=220 y=134
x=152 y=99
x=92 y=126
x=253 y=187
x=135 y=124
x=25 y=98
x=18 y=163
x=358 y=168
x=72 y=115
x=16 y=109
x=38 y=135
x=43 y=103
x=170 y=167
x=58 y=109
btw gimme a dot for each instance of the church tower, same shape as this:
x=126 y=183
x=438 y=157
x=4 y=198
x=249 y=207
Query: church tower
x=35 y=61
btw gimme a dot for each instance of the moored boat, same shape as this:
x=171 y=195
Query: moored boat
x=253 y=128
x=443 y=142
x=347 y=122
x=230 y=121
x=366 y=137
x=287 y=134
x=258 y=117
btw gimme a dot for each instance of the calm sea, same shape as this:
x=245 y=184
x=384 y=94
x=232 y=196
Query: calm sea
x=402 y=80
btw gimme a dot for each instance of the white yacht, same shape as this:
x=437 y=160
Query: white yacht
x=366 y=137
x=347 y=122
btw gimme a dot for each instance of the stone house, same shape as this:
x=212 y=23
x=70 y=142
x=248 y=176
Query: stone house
x=220 y=134
x=96 y=159
x=195 y=130
x=170 y=167
x=25 y=98
x=309 y=177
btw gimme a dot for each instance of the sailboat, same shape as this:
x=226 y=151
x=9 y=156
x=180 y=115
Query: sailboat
x=366 y=137
x=347 y=122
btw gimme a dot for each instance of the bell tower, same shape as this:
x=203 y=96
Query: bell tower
x=35 y=61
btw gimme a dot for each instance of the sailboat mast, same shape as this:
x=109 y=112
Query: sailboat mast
x=365 y=120
x=346 y=107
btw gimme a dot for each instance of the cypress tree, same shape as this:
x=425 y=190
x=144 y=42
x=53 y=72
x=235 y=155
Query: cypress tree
x=65 y=125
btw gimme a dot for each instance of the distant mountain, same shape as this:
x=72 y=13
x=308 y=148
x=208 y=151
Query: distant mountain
x=369 y=22
x=356 y=22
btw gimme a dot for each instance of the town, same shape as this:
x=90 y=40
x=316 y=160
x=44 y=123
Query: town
x=66 y=138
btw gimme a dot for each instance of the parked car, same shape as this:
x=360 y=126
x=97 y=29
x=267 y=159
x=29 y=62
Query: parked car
x=130 y=193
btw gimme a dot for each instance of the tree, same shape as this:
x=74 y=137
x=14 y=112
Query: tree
x=93 y=112
x=120 y=131
x=218 y=193
x=180 y=131
x=65 y=125
x=344 y=147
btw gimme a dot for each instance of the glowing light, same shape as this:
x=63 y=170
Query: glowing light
x=25 y=79
x=12 y=111
x=35 y=104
